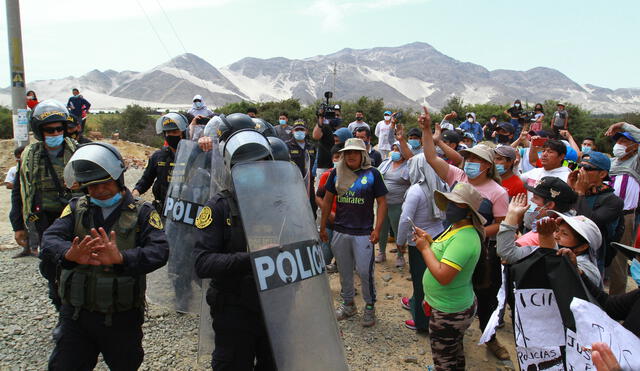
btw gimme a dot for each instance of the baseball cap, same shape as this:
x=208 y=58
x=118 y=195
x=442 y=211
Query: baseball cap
x=463 y=193
x=506 y=151
x=354 y=144
x=599 y=160
x=450 y=136
x=506 y=126
x=387 y=113
x=415 y=131
x=625 y=134
x=585 y=227
x=553 y=189
x=299 y=124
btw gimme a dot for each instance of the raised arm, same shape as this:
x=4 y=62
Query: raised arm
x=428 y=146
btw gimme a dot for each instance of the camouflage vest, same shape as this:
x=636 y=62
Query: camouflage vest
x=100 y=288
x=36 y=185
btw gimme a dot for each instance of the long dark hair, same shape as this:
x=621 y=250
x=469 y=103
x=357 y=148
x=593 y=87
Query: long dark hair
x=541 y=107
x=34 y=94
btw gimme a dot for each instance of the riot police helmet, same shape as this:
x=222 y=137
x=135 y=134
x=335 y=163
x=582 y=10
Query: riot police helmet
x=46 y=112
x=264 y=127
x=279 y=149
x=232 y=123
x=171 y=121
x=246 y=145
x=95 y=163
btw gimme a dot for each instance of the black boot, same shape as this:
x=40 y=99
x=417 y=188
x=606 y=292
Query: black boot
x=26 y=251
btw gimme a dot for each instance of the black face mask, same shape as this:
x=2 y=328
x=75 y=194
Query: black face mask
x=455 y=213
x=359 y=118
x=503 y=138
x=173 y=141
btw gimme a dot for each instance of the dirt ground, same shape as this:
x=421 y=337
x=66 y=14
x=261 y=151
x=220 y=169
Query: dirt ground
x=387 y=345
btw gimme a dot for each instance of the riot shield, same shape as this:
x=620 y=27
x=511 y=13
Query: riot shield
x=176 y=285
x=288 y=266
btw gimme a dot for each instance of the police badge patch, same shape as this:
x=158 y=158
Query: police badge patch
x=65 y=212
x=155 y=221
x=204 y=218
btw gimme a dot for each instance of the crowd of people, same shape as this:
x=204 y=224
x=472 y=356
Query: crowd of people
x=457 y=200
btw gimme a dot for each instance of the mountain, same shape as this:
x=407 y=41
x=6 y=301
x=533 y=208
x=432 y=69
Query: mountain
x=404 y=76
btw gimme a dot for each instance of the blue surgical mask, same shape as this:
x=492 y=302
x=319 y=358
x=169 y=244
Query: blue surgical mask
x=299 y=135
x=199 y=104
x=414 y=143
x=501 y=169
x=585 y=149
x=282 y=122
x=54 y=141
x=395 y=156
x=108 y=202
x=635 y=270
x=472 y=169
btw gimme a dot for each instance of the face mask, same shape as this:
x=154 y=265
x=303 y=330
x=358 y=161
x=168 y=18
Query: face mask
x=470 y=119
x=335 y=164
x=517 y=105
x=108 y=202
x=282 y=122
x=455 y=213
x=472 y=169
x=493 y=121
x=54 y=141
x=585 y=149
x=503 y=138
x=635 y=270
x=172 y=141
x=387 y=118
x=619 y=150
x=395 y=156
x=366 y=144
x=534 y=214
x=299 y=135
x=358 y=118
x=199 y=104
x=414 y=143
x=501 y=169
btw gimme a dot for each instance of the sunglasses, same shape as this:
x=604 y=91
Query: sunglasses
x=56 y=129
x=588 y=168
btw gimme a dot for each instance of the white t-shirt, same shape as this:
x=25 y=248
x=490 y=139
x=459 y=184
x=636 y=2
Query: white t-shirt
x=382 y=133
x=11 y=175
x=531 y=177
x=628 y=195
x=355 y=124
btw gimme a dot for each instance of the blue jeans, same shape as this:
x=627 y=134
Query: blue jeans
x=326 y=248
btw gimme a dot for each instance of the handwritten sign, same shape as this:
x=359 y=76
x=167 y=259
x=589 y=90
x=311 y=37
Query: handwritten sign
x=594 y=325
x=545 y=358
x=537 y=319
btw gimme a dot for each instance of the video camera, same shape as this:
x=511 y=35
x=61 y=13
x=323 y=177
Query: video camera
x=325 y=109
x=527 y=115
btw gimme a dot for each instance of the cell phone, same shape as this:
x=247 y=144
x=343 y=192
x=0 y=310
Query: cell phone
x=539 y=142
x=413 y=225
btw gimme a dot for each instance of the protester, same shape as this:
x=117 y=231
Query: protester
x=283 y=130
x=473 y=127
x=10 y=179
x=384 y=132
x=78 y=106
x=358 y=123
x=505 y=160
x=451 y=259
x=420 y=209
x=252 y=112
x=451 y=139
x=198 y=108
x=364 y=133
x=538 y=117
x=480 y=172
x=560 y=119
x=468 y=140
x=515 y=113
x=32 y=99
x=553 y=153
x=395 y=172
x=323 y=133
x=490 y=126
x=326 y=245
x=588 y=145
x=356 y=184
x=446 y=124
x=503 y=133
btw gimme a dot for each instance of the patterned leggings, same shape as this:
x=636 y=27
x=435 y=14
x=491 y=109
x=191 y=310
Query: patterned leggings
x=446 y=331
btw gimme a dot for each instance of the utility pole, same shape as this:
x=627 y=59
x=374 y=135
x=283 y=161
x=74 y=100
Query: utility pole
x=16 y=67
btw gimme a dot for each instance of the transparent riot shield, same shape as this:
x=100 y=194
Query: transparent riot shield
x=176 y=285
x=288 y=266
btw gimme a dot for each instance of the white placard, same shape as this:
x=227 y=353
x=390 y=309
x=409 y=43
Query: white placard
x=544 y=358
x=537 y=319
x=578 y=358
x=594 y=325
x=21 y=126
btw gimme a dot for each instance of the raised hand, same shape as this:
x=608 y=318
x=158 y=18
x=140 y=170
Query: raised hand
x=104 y=247
x=519 y=204
x=613 y=129
x=546 y=226
x=80 y=252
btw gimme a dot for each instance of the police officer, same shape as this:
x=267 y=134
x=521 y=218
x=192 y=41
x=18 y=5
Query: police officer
x=104 y=244
x=39 y=193
x=241 y=341
x=303 y=154
x=160 y=166
x=75 y=129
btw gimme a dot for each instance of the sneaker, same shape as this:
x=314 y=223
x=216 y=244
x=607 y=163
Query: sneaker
x=332 y=268
x=404 y=302
x=345 y=311
x=369 y=316
x=400 y=261
x=410 y=324
x=381 y=257
x=498 y=349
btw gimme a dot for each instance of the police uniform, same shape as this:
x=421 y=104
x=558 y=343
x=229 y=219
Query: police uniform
x=103 y=306
x=298 y=157
x=158 y=172
x=221 y=254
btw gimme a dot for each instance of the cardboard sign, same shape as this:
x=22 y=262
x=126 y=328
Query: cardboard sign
x=537 y=317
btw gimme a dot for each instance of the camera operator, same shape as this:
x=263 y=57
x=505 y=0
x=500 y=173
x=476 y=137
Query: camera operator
x=328 y=122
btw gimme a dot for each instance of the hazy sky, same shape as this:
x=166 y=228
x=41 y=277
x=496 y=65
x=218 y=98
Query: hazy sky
x=590 y=41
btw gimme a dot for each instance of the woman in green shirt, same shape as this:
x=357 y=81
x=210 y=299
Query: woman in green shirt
x=451 y=259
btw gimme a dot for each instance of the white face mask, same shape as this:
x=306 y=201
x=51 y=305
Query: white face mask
x=387 y=118
x=619 y=150
x=517 y=104
x=493 y=121
x=470 y=119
